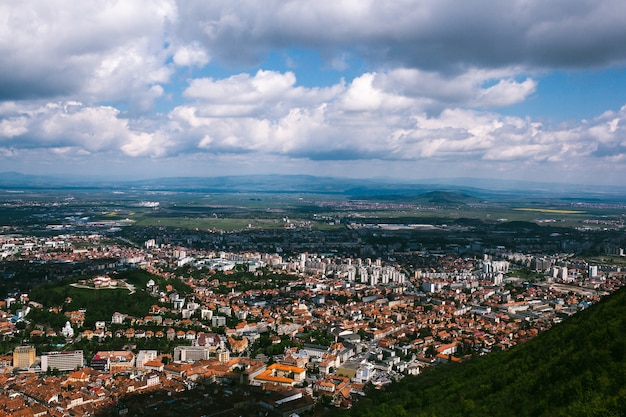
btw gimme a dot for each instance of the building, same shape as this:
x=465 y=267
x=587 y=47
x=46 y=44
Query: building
x=191 y=353
x=280 y=374
x=540 y=264
x=357 y=371
x=432 y=286
x=212 y=341
x=218 y=321
x=223 y=355
x=67 y=331
x=62 y=361
x=238 y=345
x=288 y=402
x=144 y=356
x=113 y=361
x=118 y=318
x=23 y=356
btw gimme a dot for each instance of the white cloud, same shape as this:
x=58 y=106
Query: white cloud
x=145 y=144
x=506 y=92
x=66 y=126
x=266 y=92
x=242 y=88
x=191 y=55
x=103 y=80
x=14 y=126
x=92 y=50
x=363 y=96
x=437 y=91
x=372 y=118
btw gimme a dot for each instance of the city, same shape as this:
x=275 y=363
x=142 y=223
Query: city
x=313 y=324
x=312 y=208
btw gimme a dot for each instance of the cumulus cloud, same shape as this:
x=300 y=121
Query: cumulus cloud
x=372 y=118
x=118 y=50
x=421 y=34
x=94 y=50
x=69 y=126
x=322 y=130
x=190 y=55
x=105 y=79
x=266 y=92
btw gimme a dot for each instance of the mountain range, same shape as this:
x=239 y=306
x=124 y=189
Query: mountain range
x=306 y=184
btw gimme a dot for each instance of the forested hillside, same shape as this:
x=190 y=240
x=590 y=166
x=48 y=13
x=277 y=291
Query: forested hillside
x=100 y=304
x=575 y=369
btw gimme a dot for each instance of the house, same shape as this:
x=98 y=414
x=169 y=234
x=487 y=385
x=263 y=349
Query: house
x=170 y=334
x=237 y=346
x=118 y=318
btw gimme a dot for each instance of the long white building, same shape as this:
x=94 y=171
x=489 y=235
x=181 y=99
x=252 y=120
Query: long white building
x=63 y=361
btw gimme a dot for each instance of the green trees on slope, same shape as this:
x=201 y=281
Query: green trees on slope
x=575 y=369
x=101 y=304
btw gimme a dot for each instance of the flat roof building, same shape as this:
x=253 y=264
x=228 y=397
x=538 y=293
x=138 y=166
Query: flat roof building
x=63 y=361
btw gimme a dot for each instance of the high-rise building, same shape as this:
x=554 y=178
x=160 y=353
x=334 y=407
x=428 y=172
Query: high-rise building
x=540 y=264
x=363 y=274
x=23 y=356
x=351 y=274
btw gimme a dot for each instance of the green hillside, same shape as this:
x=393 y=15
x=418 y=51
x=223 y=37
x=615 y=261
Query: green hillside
x=575 y=369
x=100 y=304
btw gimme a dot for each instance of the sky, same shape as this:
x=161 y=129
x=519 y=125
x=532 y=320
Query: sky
x=410 y=89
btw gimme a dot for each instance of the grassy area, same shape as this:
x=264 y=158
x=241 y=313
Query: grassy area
x=206 y=223
x=239 y=211
x=549 y=210
x=608 y=260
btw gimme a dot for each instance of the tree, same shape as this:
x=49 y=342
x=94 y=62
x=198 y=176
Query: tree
x=431 y=351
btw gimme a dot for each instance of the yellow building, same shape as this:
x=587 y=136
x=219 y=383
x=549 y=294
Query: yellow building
x=23 y=356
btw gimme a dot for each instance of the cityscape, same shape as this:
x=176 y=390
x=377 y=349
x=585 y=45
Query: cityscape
x=308 y=208
x=303 y=317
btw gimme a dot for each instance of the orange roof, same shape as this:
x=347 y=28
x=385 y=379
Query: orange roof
x=286 y=368
x=78 y=375
x=267 y=376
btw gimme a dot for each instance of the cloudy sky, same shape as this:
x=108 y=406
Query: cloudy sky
x=516 y=89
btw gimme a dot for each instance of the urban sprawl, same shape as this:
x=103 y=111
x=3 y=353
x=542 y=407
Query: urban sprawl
x=337 y=326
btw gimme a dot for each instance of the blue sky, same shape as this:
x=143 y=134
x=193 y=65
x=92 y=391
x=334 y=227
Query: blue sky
x=523 y=89
x=574 y=95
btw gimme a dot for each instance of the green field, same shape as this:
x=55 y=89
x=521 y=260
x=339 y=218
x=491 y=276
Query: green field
x=241 y=211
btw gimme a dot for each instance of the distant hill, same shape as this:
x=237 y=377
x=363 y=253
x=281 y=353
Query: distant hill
x=499 y=190
x=436 y=197
x=578 y=368
x=448 y=197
